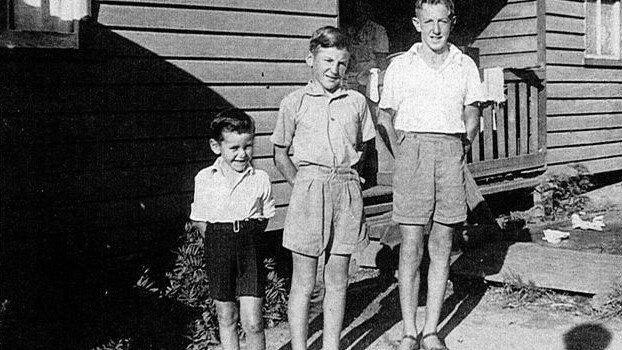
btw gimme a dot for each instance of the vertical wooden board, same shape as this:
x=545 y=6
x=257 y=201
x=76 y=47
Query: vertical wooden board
x=501 y=131
x=533 y=119
x=511 y=135
x=475 y=148
x=523 y=117
x=488 y=132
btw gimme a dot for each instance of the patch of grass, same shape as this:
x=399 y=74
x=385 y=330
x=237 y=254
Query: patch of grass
x=612 y=307
x=519 y=293
x=121 y=344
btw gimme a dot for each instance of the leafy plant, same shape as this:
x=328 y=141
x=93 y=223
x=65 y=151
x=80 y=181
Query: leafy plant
x=562 y=194
x=121 y=344
x=520 y=293
x=188 y=283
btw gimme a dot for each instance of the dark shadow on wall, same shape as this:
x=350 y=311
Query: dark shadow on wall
x=99 y=150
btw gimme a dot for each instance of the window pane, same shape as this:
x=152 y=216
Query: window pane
x=610 y=28
x=591 y=27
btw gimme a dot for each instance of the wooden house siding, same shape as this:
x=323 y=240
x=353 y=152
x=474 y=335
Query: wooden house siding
x=584 y=106
x=510 y=40
x=102 y=144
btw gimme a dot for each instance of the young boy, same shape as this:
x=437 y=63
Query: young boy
x=327 y=126
x=232 y=205
x=428 y=90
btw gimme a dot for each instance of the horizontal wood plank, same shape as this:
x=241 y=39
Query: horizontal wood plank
x=565 y=8
x=154 y=70
x=580 y=74
x=584 y=90
x=567 y=107
x=579 y=154
x=565 y=41
x=509 y=28
x=565 y=25
x=103 y=127
x=503 y=166
x=566 y=57
x=584 y=122
x=584 y=137
x=175 y=45
x=547 y=267
x=516 y=60
x=210 y=20
x=517 y=10
x=118 y=98
x=594 y=166
x=507 y=45
x=323 y=7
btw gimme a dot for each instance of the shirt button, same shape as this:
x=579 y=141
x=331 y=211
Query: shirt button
x=333 y=119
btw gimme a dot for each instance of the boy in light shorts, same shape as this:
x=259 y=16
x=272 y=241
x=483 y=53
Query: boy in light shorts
x=432 y=93
x=327 y=127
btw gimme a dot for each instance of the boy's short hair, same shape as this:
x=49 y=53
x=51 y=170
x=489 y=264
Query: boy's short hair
x=329 y=36
x=231 y=120
x=448 y=3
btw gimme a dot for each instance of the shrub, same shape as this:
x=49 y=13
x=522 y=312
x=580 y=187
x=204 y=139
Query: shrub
x=562 y=194
x=188 y=283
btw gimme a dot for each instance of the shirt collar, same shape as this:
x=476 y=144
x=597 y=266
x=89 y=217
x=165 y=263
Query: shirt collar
x=218 y=164
x=454 y=52
x=312 y=88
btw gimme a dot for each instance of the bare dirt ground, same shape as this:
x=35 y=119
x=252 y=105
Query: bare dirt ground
x=483 y=316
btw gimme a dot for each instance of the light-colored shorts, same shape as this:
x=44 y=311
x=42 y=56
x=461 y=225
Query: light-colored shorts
x=428 y=181
x=325 y=212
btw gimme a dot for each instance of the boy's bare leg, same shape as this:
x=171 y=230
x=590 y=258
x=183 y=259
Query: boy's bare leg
x=303 y=281
x=228 y=317
x=411 y=253
x=336 y=284
x=439 y=247
x=252 y=322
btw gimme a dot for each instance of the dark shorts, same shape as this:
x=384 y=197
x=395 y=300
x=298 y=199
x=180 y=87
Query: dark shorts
x=234 y=260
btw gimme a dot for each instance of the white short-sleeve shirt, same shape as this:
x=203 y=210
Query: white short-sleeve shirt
x=427 y=99
x=215 y=200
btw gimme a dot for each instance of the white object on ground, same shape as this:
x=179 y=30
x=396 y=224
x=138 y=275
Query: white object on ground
x=554 y=236
x=596 y=224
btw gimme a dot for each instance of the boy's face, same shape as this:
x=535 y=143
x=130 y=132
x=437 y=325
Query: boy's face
x=434 y=22
x=235 y=149
x=328 y=65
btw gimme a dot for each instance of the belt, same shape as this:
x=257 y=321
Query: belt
x=236 y=226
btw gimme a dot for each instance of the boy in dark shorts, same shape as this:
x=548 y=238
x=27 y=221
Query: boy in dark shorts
x=232 y=204
x=327 y=126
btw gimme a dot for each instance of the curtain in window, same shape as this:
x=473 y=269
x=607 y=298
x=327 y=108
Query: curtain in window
x=48 y=15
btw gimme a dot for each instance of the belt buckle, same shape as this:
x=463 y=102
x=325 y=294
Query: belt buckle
x=236 y=226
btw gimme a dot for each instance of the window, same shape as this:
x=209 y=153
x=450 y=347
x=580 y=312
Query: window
x=41 y=23
x=602 y=40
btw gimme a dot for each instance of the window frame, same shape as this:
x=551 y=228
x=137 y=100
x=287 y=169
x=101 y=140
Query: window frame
x=11 y=38
x=596 y=60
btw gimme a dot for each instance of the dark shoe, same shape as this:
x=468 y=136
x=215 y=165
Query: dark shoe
x=429 y=335
x=413 y=340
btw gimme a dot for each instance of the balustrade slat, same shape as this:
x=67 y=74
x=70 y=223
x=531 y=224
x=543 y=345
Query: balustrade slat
x=511 y=135
x=523 y=117
x=533 y=120
x=501 y=130
x=488 y=145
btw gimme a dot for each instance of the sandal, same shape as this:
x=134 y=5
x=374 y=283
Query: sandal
x=434 y=334
x=415 y=345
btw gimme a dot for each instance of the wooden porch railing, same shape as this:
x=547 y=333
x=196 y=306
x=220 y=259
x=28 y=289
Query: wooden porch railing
x=512 y=136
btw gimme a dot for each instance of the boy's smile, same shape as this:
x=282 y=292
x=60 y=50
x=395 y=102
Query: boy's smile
x=434 y=22
x=235 y=149
x=328 y=66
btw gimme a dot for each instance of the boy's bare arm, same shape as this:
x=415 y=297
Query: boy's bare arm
x=284 y=163
x=471 y=122
x=386 y=129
